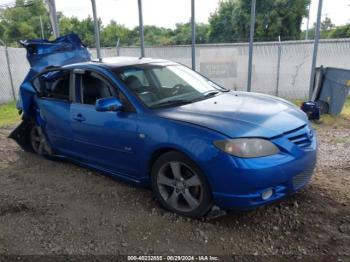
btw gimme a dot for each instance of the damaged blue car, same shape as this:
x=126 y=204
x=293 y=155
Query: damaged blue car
x=199 y=146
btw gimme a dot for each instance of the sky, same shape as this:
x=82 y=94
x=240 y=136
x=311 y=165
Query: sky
x=167 y=13
x=337 y=10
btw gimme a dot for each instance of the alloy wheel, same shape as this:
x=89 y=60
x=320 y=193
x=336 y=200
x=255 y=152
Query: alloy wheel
x=38 y=141
x=180 y=186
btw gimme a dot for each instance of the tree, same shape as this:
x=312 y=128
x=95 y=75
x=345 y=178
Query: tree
x=230 y=22
x=326 y=24
x=23 y=21
x=227 y=23
x=182 y=35
x=112 y=32
x=329 y=30
x=156 y=35
x=84 y=28
x=342 y=31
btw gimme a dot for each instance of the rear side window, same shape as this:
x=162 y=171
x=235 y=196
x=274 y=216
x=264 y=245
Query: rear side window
x=54 y=84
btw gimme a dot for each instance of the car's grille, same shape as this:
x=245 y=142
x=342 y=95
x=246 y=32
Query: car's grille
x=302 y=178
x=301 y=136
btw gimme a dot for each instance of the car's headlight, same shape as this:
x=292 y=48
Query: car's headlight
x=247 y=147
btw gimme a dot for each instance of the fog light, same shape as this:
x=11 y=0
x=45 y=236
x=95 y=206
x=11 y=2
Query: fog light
x=266 y=194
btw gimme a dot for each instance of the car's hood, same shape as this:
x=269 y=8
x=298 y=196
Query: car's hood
x=240 y=114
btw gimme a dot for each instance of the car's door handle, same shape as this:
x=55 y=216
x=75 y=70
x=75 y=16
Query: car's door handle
x=79 y=118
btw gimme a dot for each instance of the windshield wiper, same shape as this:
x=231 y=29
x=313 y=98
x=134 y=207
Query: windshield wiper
x=177 y=102
x=210 y=93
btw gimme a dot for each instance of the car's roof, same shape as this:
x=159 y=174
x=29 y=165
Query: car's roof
x=122 y=61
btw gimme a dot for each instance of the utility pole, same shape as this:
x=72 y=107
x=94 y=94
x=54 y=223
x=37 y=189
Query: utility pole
x=314 y=56
x=97 y=31
x=251 y=40
x=193 y=31
x=142 y=38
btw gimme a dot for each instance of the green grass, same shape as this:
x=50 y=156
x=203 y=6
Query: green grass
x=9 y=114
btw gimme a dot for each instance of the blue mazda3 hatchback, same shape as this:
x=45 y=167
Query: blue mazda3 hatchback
x=158 y=123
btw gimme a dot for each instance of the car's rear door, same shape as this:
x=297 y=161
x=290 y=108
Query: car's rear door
x=54 y=102
x=107 y=140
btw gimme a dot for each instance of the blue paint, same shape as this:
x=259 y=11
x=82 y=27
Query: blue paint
x=108 y=104
x=122 y=143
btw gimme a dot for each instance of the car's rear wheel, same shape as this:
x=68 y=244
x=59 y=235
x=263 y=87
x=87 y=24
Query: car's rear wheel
x=180 y=186
x=38 y=141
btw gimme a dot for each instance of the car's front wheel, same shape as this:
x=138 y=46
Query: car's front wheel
x=38 y=141
x=180 y=186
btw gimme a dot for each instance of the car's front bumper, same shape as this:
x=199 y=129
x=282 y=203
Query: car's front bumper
x=239 y=183
x=255 y=198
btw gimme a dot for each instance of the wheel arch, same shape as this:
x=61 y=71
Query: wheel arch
x=165 y=149
x=205 y=182
x=157 y=153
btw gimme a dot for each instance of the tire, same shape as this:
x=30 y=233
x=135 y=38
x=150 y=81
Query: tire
x=324 y=107
x=38 y=141
x=180 y=186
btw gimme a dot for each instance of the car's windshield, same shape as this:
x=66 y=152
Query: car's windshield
x=166 y=86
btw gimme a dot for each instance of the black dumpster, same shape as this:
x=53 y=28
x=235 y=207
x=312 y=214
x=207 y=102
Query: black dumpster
x=331 y=89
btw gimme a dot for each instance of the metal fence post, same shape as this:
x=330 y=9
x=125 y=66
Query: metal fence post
x=9 y=70
x=279 y=53
x=251 y=40
x=307 y=23
x=314 y=56
x=53 y=17
x=42 y=28
x=142 y=36
x=97 y=31
x=118 y=47
x=193 y=31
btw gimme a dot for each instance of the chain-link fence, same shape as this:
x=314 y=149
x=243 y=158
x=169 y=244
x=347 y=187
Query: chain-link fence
x=226 y=64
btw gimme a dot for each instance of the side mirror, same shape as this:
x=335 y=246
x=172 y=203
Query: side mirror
x=108 y=104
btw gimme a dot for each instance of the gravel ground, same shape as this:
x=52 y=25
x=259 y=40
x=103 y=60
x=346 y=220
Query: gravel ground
x=51 y=207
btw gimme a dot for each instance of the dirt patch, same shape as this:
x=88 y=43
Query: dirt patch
x=51 y=207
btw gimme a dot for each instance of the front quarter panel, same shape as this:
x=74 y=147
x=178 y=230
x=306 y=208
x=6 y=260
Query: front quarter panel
x=235 y=182
x=160 y=133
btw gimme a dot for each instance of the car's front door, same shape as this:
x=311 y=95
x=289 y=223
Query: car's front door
x=104 y=139
x=54 y=101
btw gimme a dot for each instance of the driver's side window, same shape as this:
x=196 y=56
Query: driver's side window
x=89 y=86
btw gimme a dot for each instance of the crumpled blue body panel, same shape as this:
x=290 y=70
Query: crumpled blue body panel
x=64 y=50
x=42 y=53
